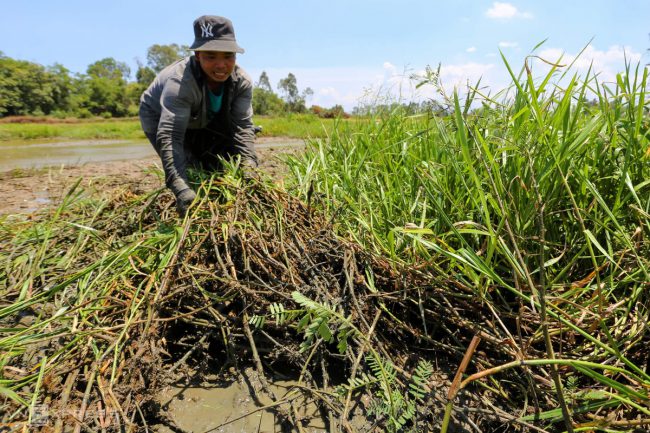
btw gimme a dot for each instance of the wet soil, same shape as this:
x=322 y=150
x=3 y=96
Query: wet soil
x=26 y=190
x=54 y=153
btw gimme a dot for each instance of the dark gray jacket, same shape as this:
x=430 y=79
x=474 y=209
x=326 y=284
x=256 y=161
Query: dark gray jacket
x=177 y=101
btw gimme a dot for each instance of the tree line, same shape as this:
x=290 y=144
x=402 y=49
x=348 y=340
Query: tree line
x=106 y=88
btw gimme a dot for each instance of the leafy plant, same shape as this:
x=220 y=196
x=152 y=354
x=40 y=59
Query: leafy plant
x=321 y=320
x=392 y=402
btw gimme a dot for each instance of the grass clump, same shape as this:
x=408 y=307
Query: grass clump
x=536 y=202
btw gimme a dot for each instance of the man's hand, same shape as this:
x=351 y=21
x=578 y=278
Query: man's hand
x=183 y=201
x=250 y=174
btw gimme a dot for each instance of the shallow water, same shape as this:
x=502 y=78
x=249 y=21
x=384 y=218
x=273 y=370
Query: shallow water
x=231 y=408
x=24 y=155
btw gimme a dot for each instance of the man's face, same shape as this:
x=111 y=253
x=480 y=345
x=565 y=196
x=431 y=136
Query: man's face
x=216 y=65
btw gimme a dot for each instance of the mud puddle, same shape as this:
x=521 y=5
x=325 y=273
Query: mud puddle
x=237 y=405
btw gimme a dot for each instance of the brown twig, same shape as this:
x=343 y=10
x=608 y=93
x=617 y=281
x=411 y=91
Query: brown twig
x=353 y=373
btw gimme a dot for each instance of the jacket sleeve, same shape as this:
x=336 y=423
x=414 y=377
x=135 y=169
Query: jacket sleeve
x=242 y=123
x=176 y=108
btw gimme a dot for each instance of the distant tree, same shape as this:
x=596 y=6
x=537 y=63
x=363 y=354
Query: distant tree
x=109 y=68
x=103 y=88
x=145 y=75
x=263 y=82
x=63 y=86
x=338 y=111
x=161 y=56
x=307 y=93
x=29 y=88
x=265 y=101
x=329 y=113
x=289 y=86
x=133 y=91
x=436 y=108
x=292 y=96
x=10 y=91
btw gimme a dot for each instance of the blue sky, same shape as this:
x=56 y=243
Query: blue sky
x=342 y=49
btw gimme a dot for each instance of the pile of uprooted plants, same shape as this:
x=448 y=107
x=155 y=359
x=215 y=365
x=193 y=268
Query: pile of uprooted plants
x=108 y=300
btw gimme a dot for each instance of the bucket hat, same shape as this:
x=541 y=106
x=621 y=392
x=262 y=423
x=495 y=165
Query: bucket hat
x=214 y=33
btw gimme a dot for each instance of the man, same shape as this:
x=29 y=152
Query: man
x=199 y=108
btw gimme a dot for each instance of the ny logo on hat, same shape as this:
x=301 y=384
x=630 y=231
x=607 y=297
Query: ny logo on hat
x=206 y=30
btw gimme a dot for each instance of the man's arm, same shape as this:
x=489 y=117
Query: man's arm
x=174 y=118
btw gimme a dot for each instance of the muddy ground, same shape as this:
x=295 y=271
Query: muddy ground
x=224 y=402
x=27 y=190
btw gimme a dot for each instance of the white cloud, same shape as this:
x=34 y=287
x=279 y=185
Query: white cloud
x=327 y=91
x=330 y=96
x=461 y=74
x=501 y=10
x=471 y=49
x=506 y=44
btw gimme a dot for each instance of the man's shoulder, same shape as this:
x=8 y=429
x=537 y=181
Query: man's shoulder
x=180 y=70
x=179 y=79
x=241 y=77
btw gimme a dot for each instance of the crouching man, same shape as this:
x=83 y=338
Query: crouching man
x=200 y=108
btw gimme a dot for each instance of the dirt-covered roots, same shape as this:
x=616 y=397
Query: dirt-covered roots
x=254 y=279
x=265 y=280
